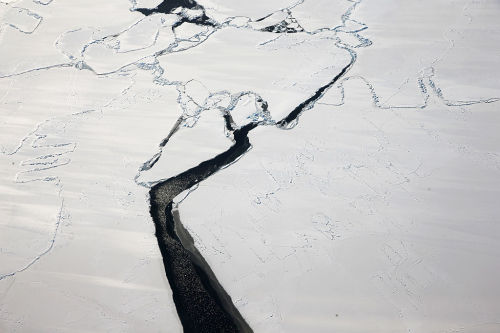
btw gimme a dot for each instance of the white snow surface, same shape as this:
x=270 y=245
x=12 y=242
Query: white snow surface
x=378 y=211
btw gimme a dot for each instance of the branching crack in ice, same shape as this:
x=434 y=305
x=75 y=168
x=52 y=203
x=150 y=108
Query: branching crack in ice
x=183 y=262
x=211 y=309
x=424 y=82
x=54 y=155
x=33 y=168
x=202 y=303
x=426 y=86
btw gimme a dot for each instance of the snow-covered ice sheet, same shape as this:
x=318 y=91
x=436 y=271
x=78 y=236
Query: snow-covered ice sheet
x=317 y=166
x=347 y=223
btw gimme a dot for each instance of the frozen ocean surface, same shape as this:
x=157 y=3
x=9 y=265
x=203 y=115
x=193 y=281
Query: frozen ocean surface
x=235 y=166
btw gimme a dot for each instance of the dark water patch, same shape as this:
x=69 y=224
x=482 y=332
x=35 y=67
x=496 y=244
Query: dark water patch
x=283 y=27
x=170 y=7
x=289 y=25
x=263 y=104
x=229 y=122
x=201 y=302
x=309 y=103
x=198 y=20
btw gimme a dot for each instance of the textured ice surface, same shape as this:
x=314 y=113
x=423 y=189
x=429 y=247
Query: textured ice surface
x=376 y=211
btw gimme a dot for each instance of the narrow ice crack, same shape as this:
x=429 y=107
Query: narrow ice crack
x=60 y=218
x=23 y=11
